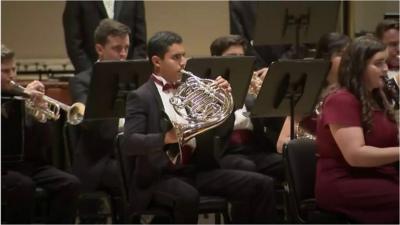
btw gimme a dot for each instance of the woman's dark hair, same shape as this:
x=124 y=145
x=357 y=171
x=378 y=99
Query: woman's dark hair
x=330 y=44
x=160 y=42
x=221 y=44
x=353 y=65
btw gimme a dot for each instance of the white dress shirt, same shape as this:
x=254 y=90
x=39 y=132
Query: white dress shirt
x=393 y=73
x=109 y=5
x=242 y=122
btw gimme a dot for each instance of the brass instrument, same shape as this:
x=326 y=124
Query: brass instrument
x=255 y=84
x=51 y=109
x=303 y=133
x=203 y=104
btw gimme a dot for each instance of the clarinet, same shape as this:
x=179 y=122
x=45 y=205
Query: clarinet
x=391 y=90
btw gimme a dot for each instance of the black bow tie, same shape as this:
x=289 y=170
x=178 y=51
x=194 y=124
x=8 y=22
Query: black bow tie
x=167 y=86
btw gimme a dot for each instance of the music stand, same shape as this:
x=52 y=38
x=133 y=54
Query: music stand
x=280 y=22
x=291 y=87
x=110 y=83
x=13 y=127
x=237 y=70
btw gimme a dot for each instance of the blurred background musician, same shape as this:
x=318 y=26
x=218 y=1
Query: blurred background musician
x=242 y=18
x=388 y=32
x=80 y=19
x=153 y=177
x=329 y=47
x=252 y=143
x=94 y=162
x=19 y=180
x=358 y=146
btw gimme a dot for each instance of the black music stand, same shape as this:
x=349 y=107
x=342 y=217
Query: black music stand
x=291 y=87
x=110 y=83
x=286 y=22
x=13 y=127
x=237 y=70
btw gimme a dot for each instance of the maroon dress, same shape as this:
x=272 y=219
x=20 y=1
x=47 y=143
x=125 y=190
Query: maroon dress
x=366 y=195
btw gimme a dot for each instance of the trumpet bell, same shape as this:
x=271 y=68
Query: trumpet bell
x=75 y=113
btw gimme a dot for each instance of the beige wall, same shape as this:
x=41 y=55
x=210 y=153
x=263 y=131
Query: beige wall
x=198 y=22
x=368 y=13
x=34 y=29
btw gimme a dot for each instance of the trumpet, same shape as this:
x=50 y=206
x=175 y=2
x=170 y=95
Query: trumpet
x=51 y=108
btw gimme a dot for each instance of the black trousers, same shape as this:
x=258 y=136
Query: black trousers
x=251 y=195
x=268 y=163
x=95 y=165
x=17 y=193
x=62 y=189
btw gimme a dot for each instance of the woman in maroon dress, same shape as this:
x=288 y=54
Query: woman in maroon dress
x=357 y=140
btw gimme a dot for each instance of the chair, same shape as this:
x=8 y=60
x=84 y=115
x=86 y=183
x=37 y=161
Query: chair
x=215 y=205
x=300 y=169
x=207 y=204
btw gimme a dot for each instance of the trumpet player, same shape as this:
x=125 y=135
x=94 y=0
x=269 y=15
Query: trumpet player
x=19 y=181
x=148 y=136
x=248 y=148
x=35 y=89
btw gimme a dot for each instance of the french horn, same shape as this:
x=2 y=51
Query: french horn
x=202 y=104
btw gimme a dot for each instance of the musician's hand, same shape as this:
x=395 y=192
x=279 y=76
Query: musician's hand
x=261 y=73
x=256 y=81
x=36 y=90
x=170 y=137
x=35 y=85
x=280 y=143
x=221 y=82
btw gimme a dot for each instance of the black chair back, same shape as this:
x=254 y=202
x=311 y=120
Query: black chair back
x=300 y=168
x=300 y=163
